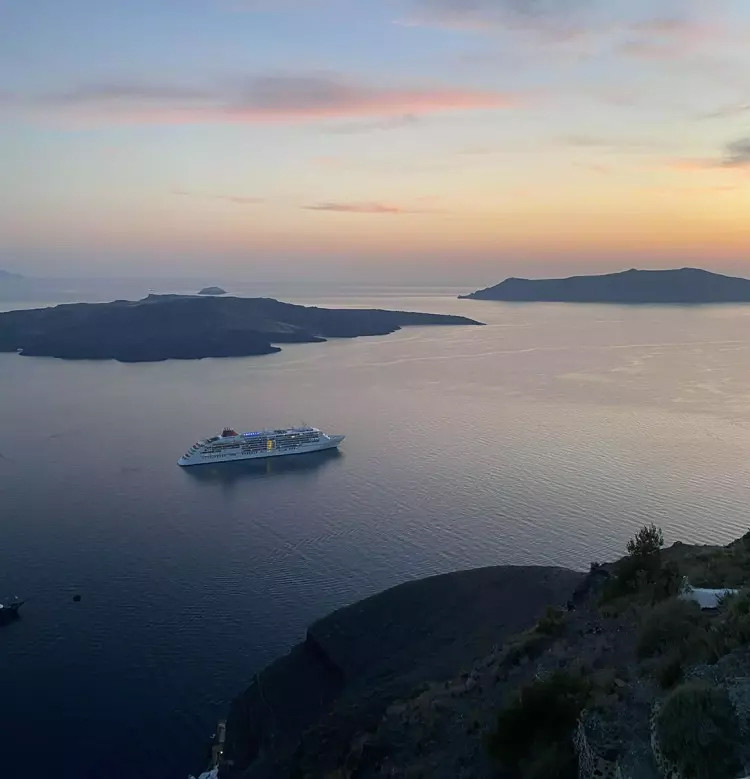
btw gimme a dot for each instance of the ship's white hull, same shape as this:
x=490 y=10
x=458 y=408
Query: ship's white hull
x=325 y=442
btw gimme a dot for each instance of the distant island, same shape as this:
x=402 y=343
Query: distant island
x=212 y=291
x=679 y=286
x=186 y=327
x=6 y=275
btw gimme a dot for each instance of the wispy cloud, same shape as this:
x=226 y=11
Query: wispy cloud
x=554 y=17
x=737 y=153
x=589 y=26
x=736 y=109
x=364 y=208
x=269 y=98
x=276 y=6
x=391 y=123
x=240 y=200
x=692 y=163
x=602 y=170
x=126 y=92
x=669 y=38
x=613 y=144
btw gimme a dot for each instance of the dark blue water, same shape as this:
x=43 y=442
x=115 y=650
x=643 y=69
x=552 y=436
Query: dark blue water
x=546 y=437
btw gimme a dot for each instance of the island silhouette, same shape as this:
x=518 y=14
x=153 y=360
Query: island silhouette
x=677 y=286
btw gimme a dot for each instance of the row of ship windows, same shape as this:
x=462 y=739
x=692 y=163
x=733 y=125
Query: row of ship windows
x=261 y=442
x=219 y=454
x=250 y=450
x=259 y=445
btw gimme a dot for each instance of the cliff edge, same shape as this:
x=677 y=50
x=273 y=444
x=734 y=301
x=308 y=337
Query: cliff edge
x=299 y=715
x=630 y=670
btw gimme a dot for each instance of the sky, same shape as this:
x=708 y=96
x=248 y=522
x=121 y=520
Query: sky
x=378 y=140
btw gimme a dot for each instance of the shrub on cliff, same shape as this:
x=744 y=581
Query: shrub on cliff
x=668 y=670
x=646 y=544
x=552 y=623
x=736 y=620
x=531 y=643
x=676 y=627
x=698 y=730
x=535 y=732
x=641 y=570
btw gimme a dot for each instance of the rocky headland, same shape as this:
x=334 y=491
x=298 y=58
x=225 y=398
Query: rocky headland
x=516 y=672
x=161 y=327
x=300 y=712
x=679 y=286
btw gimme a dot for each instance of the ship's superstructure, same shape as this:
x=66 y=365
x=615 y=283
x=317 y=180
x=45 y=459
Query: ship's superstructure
x=231 y=445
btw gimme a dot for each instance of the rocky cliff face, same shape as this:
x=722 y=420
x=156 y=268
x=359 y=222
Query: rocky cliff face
x=410 y=683
x=301 y=715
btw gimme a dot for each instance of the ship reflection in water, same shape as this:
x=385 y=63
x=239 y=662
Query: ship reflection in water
x=229 y=473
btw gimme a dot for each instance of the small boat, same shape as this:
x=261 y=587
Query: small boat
x=9 y=610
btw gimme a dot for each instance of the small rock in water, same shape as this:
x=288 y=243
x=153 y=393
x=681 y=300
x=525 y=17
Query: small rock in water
x=76 y=598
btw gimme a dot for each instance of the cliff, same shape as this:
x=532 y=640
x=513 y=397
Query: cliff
x=681 y=286
x=161 y=327
x=481 y=674
x=302 y=712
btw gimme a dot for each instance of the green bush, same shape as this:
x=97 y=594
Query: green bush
x=646 y=543
x=698 y=730
x=537 y=727
x=668 y=671
x=675 y=626
x=667 y=582
x=532 y=643
x=641 y=571
x=529 y=645
x=552 y=623
x=736 y=623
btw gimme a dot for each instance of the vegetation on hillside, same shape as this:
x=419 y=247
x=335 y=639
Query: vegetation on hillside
x=643 y=574
x=675 y=626
x=628 y=646
x=698 y=730
x=531 y=643
x=670 y=636
x=534 y=732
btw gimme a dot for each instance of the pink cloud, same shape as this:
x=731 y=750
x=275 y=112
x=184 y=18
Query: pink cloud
x=363 y=208
x=277 y=98
x=678 y=27
x=663 y=38
x=582 y=27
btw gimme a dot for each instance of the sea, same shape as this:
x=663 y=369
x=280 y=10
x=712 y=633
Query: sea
x=546 y=437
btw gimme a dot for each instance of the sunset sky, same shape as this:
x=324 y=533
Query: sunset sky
x=374 y=139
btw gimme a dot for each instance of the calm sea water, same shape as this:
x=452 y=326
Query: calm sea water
x=548 y=436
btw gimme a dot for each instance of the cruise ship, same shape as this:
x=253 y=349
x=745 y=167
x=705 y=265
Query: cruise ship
x=231 y=445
